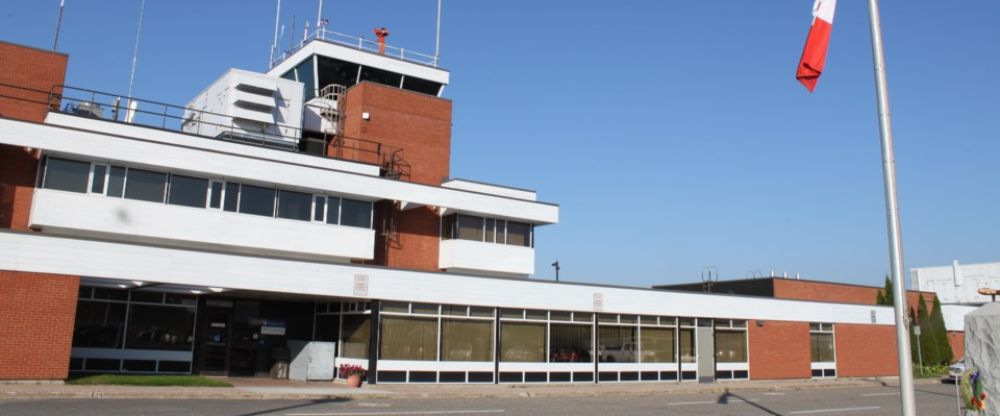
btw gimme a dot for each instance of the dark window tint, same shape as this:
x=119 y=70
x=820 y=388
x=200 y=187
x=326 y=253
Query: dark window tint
x=448 y=227
x=319 y=208
x=518 y=234
x=97 y=183
x=98 y=324
x=491 y=230
x=145 y=185
x=232 y=196
x=304 y=74
x=215 y=201
x=332 y=210
x=257 y=200
x=356 y=213
x=421 y=85
x=335 y=71
x=160 y=327
x=381 y=76
x=188 y=191
x=116 y=181
x=470 y=228
x=66 y=175
x=294 y=205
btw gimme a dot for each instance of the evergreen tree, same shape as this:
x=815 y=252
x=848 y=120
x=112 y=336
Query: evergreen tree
x=928 y=339
x=884 y=296
x=936 y=322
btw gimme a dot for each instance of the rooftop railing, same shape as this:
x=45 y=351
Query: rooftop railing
x=136 y=111
x=360 y=43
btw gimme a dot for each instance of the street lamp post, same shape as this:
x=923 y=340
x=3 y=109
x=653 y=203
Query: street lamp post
x=556 y=265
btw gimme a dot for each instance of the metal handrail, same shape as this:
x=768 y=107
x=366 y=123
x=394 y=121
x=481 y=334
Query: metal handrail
x=155 y=114
x=360 y=43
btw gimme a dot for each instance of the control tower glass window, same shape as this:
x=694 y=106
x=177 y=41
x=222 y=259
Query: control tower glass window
x=335 y=71
x=381 y=76
x=422 y=86
x=304 y=74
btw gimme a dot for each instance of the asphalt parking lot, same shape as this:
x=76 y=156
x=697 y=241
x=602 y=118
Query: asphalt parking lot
x=932 y=399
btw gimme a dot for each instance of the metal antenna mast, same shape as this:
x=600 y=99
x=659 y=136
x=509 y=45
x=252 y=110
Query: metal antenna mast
x=319 y=15
x=274 y=43
x=437 y=36
x=135 y=51
x=55 y=44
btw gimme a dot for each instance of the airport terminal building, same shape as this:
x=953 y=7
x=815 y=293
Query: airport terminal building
x=314 y=202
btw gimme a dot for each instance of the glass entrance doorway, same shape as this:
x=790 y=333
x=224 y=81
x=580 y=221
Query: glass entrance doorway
x=247 y=337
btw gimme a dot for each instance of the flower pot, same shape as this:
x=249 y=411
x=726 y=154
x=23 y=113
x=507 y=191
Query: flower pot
x=354 y=380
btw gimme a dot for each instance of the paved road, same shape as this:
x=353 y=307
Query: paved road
x=931 y=400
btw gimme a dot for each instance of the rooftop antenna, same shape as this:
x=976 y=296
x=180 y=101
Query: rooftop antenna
x=437 y=36
x=274 y=43
x=319 y=15
x=707 y=279
x=135 y=50
x=58 y=24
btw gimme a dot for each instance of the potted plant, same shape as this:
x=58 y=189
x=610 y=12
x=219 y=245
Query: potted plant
x=353 y=373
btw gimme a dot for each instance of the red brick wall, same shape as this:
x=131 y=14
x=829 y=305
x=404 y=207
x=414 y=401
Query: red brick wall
x=37 y=312
x=779 y=349
x=957 y=341
x=835 y=292
x=420 y=125
x=865 y=350
x=36 y=72
x=34 y=69
x=17 y=185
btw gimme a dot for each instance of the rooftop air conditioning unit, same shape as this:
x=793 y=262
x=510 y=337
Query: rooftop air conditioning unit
x=88 y=109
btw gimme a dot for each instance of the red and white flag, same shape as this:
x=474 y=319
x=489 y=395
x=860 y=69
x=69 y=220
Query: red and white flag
x=814 y=54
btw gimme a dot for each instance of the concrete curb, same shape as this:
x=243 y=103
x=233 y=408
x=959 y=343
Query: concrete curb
x=436 y=392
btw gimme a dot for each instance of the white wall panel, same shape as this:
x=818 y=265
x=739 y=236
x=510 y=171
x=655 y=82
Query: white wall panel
x=490 y=257
x=98 y=215
x=110 y=144
x=48 y=254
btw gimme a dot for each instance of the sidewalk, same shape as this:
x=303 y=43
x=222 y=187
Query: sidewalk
x=267 y=389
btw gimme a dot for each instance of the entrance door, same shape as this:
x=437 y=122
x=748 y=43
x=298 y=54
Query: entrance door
x=228 y=333
x=214 y=332
x=706 y=350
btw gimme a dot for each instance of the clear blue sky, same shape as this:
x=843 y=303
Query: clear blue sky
x=672 y=134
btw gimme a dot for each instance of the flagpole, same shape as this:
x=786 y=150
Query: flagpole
x=892 y=214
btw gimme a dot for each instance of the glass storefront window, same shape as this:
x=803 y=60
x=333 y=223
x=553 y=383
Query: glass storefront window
x=731 y=346
x=570 y=343
x=408 y=339
x=154 y=327
x=822 y=347
x=657 y=345
x=356 y=334
x=98 y=324
x=688 y=354
x=522 y=342
x=466 y=340
x=327 y=327
x=616 y=344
